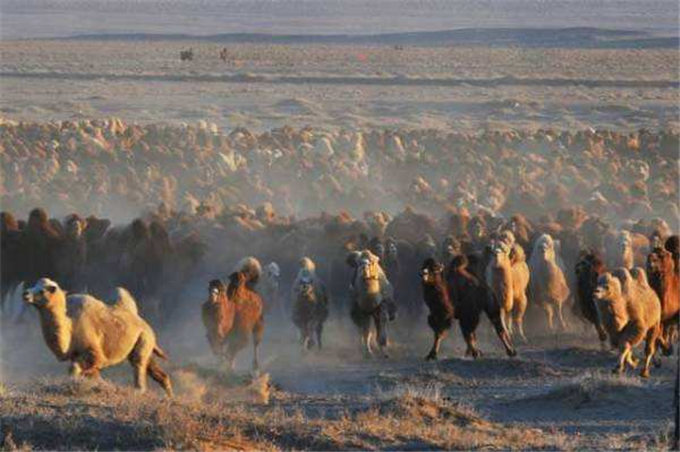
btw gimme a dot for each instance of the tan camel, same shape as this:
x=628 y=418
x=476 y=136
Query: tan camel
x=94 y=335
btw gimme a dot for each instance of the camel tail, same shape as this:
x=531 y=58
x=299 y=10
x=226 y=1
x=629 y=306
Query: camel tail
x=126 y=301
x=160 y=353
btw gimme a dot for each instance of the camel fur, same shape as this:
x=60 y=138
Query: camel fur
x=630 y=311
x=94 y=335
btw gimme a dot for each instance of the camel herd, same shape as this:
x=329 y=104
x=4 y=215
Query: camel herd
x=480 y=268
x=576 y=225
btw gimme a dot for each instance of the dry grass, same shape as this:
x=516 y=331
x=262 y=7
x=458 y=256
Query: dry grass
x=68 y=414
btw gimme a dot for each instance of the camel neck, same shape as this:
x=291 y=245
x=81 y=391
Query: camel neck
x=56 y=328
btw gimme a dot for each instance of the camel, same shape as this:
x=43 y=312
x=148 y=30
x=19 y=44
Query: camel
x=94 y=335
x=588 y=270
x=666 y=283
x=310 y=304
x=436 y=297
x=508 y=277
x=232 y=314
x=630 y=311
x=548 y=285
x=371 y=293
x=470 y=297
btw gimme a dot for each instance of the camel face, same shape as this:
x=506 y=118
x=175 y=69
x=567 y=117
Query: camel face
x=215 y=288
x=545 y=244
x=272 y=271
x=507 y=237
x=625 y=241
x=658 y=261
x=431 y=274
x=391 y=249
x=306 y=288
x=41 y=294
x=608 y=287
x=500 y=251
x=365 y=269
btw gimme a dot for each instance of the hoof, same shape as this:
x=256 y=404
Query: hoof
x=644 y=373
x=512 y=353
x=617 y=371
x=667 y=351
x=657 y=362
x=431 y=357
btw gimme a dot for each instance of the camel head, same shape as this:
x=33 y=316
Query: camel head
x=589 y=266
x=377 y=247
x=45 y=293
x=237 y=282
x=500 y=250
x=75 y=226
x=546 y=246
x=624 y=240
x=368 y=266
x=305 y=284
x=391 y=246
x=451 y=247
x=608 y=287
x=37 y=219
x=659 y=261
x=216 y=290
x=431 y=272
x=477 y=228
x=508 y=237
x=308 y=264
x=272 y=271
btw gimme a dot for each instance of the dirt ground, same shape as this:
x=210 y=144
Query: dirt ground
x=559 y=393
x=262 y=86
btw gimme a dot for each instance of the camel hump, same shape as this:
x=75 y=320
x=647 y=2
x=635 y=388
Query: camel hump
x=125 y=301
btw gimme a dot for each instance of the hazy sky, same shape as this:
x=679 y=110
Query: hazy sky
x=49 y=18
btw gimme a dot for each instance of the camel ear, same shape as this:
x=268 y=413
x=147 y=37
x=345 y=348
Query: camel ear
x=51 y=289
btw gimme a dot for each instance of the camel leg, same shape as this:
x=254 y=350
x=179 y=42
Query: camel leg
x=366 y=339
x=507 y=315
x=549 y=313
x=74 y=370
x=560 y=317
x=650 y=349
x=236 y=343
x=90 y=364
x=434 y=351
x=319 y=330
x=258 y=332
x=471 y=341
x=623 y=357
x=601 y=333
x=666 y=339
x=159 y=376
x=380 y=319
x=502 y=333
x=363 y=322
x=139 y=358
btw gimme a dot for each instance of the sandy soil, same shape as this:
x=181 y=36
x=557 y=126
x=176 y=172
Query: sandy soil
x=330 y=86
x=559 y=393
